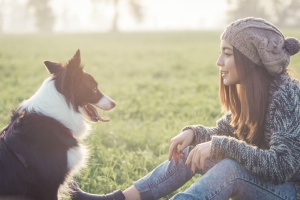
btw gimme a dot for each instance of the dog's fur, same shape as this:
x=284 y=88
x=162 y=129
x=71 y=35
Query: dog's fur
x=40 y=148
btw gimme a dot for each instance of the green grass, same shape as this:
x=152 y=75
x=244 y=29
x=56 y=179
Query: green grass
x=160 y=81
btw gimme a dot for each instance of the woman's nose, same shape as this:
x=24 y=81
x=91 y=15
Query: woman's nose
x=219 y=61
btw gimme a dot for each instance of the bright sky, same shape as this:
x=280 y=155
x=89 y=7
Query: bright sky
x=158 y=15
x=183 y=14
x=83 y=16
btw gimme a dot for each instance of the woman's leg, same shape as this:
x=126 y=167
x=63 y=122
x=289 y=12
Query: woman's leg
x=165 y=179
x=162 y=181
x=229 y=179
x=78 y=194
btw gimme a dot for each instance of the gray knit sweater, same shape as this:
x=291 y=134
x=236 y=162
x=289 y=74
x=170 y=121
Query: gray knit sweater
x=280 y=162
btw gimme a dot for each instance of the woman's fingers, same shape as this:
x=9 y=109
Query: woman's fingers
x=177 y=155
x=196 y=159
x=198 y=162
x=173 y=149
x=179 y=143
x=174 y=155
x=189 y=158
x=193 y=160
x=202 y=161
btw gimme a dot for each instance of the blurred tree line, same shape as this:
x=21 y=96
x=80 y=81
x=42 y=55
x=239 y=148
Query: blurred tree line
x=283 y=13
x=134 y=6
x=44 y=18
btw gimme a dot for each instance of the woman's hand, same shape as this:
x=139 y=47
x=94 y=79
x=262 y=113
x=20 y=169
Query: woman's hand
x=198 y=155
x=179 y=143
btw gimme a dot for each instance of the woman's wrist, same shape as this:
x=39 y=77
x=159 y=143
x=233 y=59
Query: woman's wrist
x=191 y=133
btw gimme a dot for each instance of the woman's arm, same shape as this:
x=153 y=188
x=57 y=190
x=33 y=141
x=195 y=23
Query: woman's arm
x=204 y=134
x=196 y=134
x=282 y=160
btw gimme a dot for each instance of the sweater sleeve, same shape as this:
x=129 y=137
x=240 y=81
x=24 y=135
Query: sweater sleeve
x=282 y=160
x=204 y=134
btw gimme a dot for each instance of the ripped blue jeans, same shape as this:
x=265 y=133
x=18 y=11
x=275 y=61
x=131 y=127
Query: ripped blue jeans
x=223 y=180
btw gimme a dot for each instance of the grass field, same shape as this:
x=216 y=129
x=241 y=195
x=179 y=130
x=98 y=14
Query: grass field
x=160 y=81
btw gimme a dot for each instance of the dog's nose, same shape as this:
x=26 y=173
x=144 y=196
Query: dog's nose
x=113 y=104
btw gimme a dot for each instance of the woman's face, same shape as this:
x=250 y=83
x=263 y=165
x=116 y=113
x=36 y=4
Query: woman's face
x=227 y=64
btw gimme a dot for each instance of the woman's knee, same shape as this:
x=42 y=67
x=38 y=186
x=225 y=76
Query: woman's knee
x=228 y=165
x=228 y=169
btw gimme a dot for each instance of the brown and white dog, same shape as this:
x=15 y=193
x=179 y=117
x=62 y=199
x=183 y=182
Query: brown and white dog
x=41 y=146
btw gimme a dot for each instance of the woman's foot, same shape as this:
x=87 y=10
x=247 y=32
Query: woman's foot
x=78 y=194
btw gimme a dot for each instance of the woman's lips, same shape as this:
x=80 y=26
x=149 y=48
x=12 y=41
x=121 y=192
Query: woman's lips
x=223 y=73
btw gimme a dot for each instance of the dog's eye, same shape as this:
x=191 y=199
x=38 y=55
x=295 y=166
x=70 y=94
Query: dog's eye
x=95 y=90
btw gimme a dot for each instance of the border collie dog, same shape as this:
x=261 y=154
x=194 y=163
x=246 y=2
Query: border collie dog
x=40 y=149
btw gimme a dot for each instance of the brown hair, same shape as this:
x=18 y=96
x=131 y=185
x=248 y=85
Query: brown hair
x=248 y=100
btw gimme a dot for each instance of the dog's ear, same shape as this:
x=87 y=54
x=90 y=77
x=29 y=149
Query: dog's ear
x=53 y=67
x=75 y=60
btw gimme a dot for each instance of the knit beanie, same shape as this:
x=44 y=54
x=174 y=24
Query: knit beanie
x=262 y=43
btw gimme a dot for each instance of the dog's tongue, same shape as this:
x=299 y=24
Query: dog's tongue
x=93 y=114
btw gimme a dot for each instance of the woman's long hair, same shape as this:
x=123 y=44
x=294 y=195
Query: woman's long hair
x=248 y=100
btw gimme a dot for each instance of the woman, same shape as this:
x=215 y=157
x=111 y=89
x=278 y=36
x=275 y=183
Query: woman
x=254 y=150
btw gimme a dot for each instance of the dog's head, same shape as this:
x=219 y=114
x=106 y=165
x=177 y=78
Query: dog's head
x=79 y=88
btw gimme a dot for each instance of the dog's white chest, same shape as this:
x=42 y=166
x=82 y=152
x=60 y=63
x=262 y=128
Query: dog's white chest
x=76 y=158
